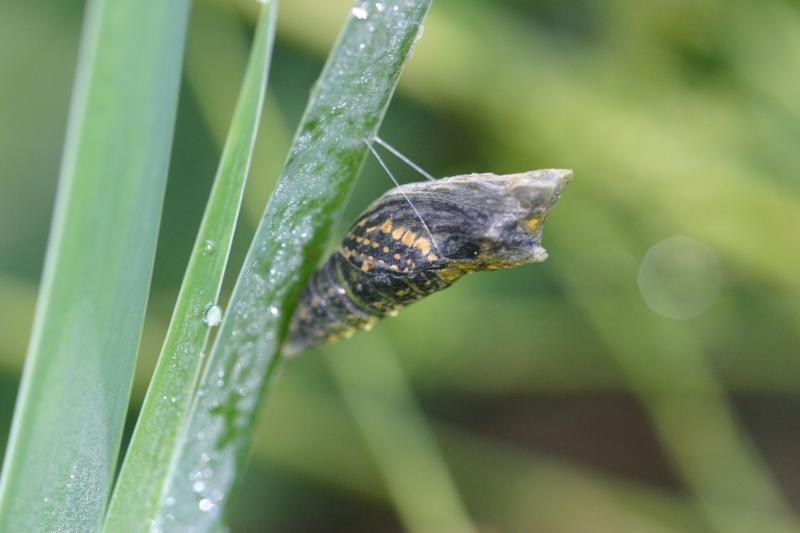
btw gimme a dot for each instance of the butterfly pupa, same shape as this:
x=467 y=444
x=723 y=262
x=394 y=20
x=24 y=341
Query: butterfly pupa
x=419 y=238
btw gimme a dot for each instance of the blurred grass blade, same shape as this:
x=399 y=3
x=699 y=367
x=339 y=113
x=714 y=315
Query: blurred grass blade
x=75 y=387
x=346 y=107
x=402 y=445
x=144 y=473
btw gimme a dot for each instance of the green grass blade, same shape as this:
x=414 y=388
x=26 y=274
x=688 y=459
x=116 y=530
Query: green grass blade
x=73 y=399
x=144 y=472
x=346 y=107
x=402 y=446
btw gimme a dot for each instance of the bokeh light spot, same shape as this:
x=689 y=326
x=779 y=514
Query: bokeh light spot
x=679 y=277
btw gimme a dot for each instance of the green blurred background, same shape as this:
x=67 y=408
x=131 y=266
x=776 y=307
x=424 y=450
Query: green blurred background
x=644 y=378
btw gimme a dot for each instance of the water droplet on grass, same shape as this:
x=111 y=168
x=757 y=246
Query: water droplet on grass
x=212 y=315
x=205 y=505
x=209 y=247
x=360 y=13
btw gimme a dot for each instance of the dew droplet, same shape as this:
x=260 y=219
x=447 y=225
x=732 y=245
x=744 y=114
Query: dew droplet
x=209 y=247
x=205 y=505
x=360 y=13
x=212 y=315
x=198 y=486
x=380 y=6
x=420 y=32
x=274 y=311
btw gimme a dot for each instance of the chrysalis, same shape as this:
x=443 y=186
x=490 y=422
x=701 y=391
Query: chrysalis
x=420 y=238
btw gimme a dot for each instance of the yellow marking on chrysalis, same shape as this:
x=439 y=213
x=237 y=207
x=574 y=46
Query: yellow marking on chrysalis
x=362 y=223
x=359 y=239
x=366 y=241
x=394 y=267
x=375 y=244
x=408 y=238
x=396 y=256
x=409 y=261
x=386 y=227
x=405 y=269
x=450 y=275
x=423 y=244
x=366 y=265
x=386 y=249
x=432 y=257
x=396 y=234
x=533 y=223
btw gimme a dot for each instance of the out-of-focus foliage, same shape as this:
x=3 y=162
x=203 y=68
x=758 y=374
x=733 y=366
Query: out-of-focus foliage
x=548 y=398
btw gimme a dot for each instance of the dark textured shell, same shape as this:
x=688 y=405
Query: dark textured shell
x=396 y=254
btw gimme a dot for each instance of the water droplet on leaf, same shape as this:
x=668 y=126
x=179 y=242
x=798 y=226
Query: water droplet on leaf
x=205 y=505
x=209 y=247
x=212 y=315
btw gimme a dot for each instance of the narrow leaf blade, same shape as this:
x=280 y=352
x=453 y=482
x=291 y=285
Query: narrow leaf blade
x=76 y=383
x=144 y=473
